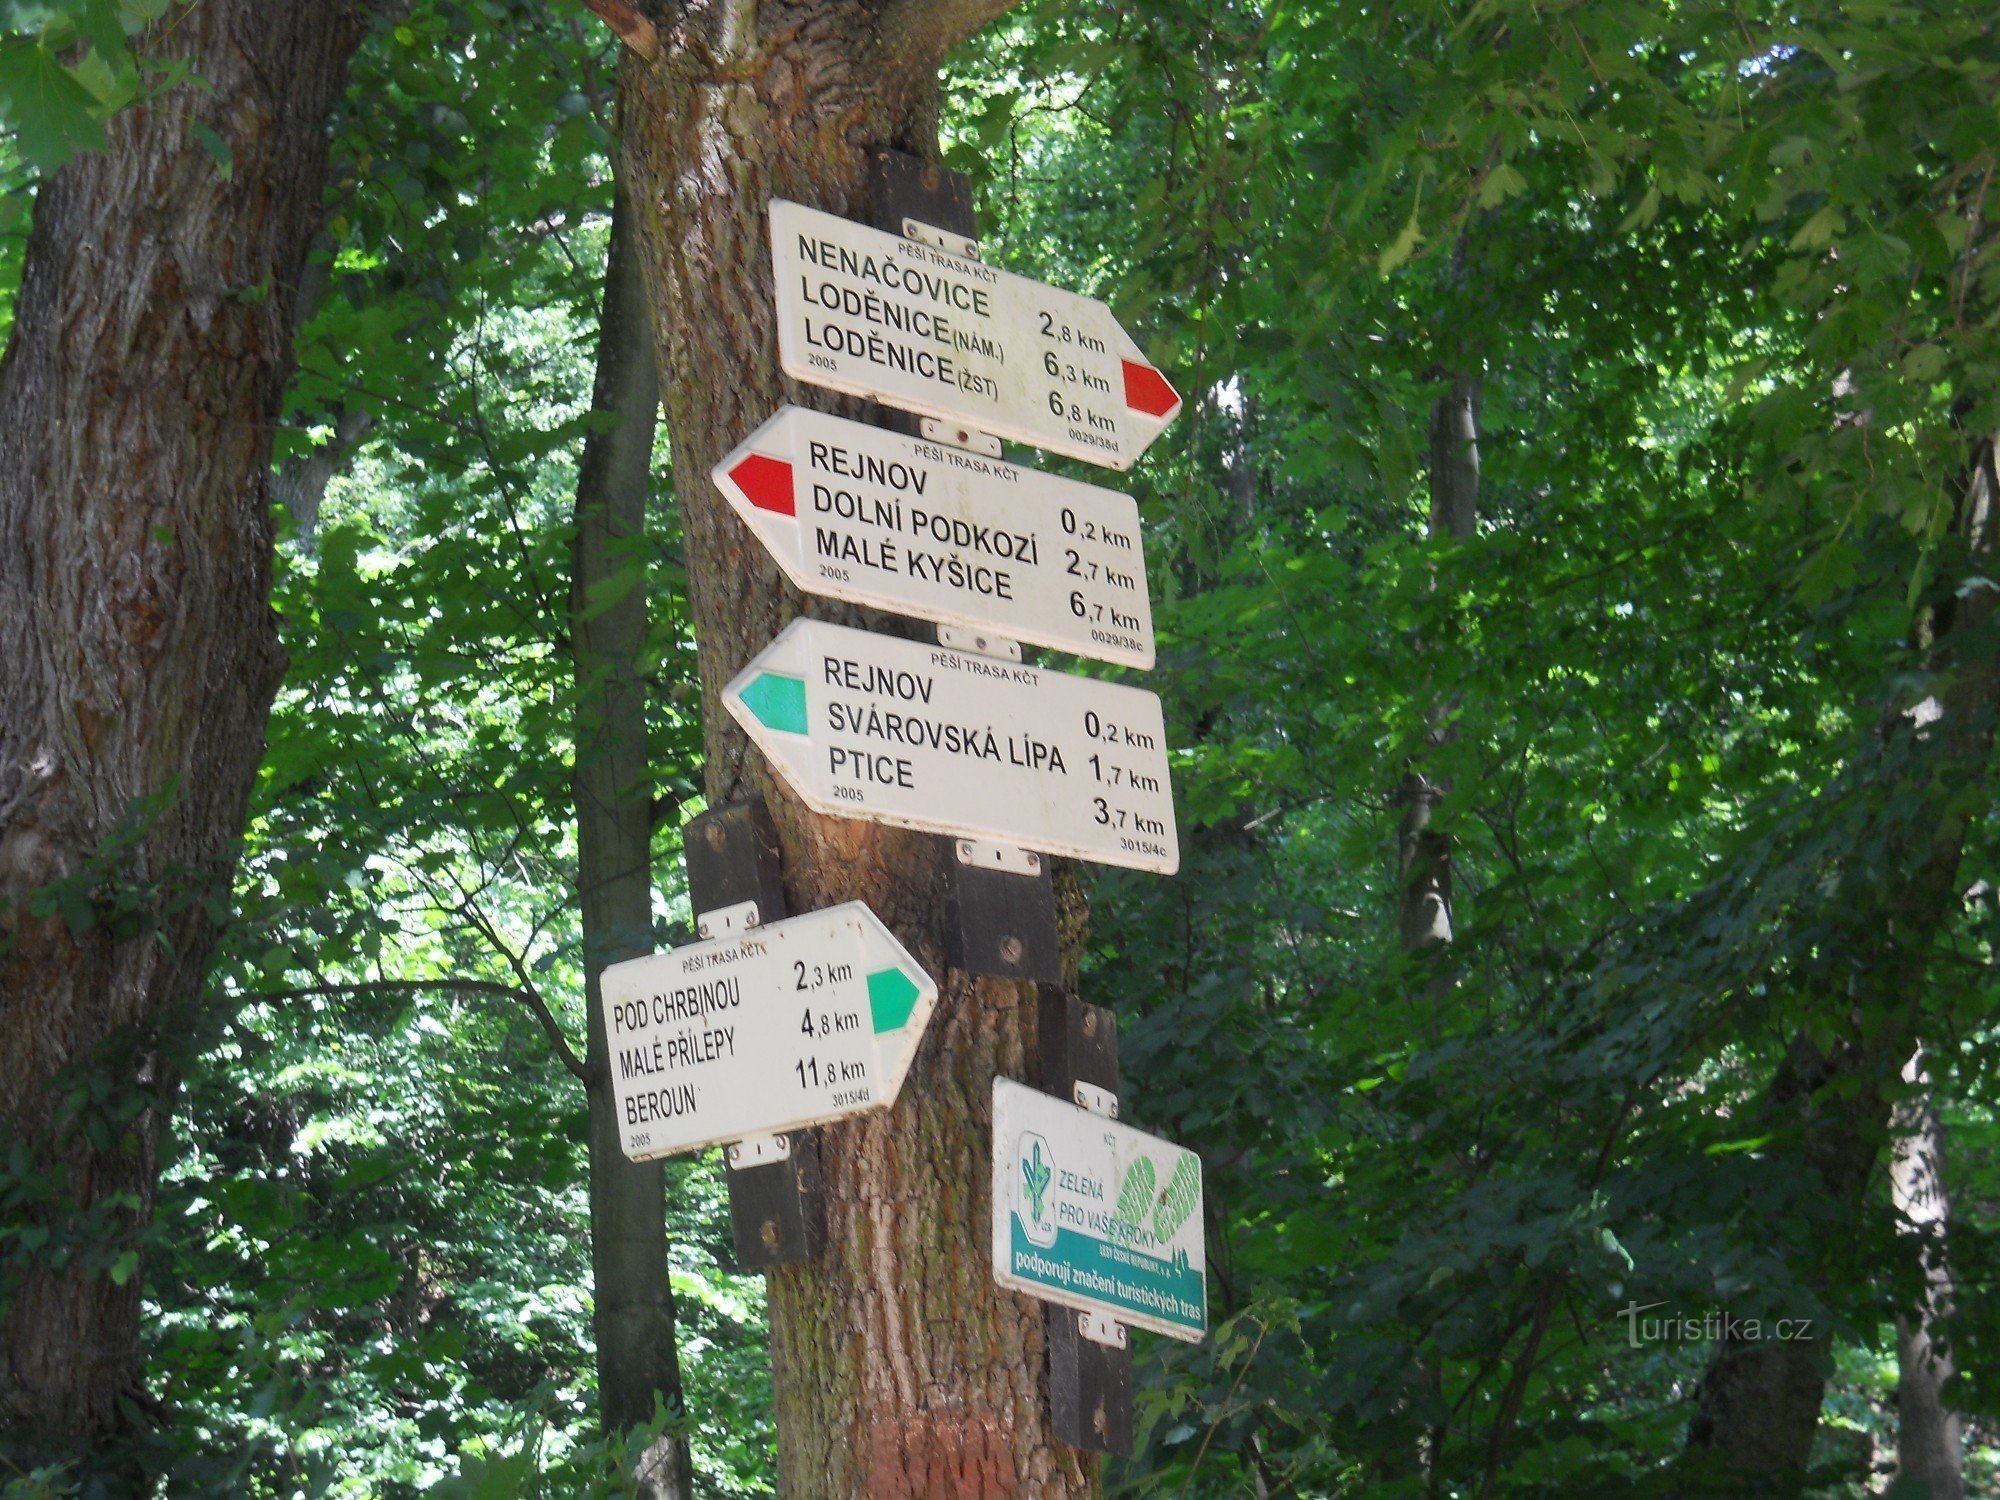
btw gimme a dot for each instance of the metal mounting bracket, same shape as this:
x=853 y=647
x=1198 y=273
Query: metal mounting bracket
x=943 y=239
x=727 y=921
x=984 y=856
x=978 y=643
x=760 y=1151
x=1098 y=1101
x=1101 y=1330
x=956 y=435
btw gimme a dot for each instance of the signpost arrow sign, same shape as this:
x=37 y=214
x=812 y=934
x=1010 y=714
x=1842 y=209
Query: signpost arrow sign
x=873 y=314
x=1095 y=1215
x=869 y=726
x=877 y=518
x=810 y=1019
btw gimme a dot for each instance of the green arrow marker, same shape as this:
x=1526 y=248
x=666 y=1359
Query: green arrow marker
x=778 y=702
x=891 y=998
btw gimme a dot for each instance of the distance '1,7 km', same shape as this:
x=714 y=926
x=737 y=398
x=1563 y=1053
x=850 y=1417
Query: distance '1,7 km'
x=868 y=726
x=1113 y=775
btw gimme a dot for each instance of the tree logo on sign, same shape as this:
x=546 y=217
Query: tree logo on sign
x=1037 y=1172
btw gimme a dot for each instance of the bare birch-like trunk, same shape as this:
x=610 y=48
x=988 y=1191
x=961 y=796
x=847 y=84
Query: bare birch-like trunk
x=1929 y=1435
x=1423 y=915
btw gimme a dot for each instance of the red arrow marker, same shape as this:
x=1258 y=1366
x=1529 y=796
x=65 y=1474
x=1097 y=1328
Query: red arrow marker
x=1146 y=390
x=767 y=482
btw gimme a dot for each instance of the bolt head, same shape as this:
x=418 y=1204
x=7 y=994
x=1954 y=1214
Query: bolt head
x=1010 y=949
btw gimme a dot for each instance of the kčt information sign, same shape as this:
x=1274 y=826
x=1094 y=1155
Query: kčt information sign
x=1095 y=1215
x=877 y=315
x=869 y=726
x=893 y=522
x=806 y=1020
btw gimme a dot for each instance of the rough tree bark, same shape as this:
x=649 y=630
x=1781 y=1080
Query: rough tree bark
x=901 y=1371
x=138 y=399
x=1929 y=1435
x=634 y=1307
x=1829 y=1107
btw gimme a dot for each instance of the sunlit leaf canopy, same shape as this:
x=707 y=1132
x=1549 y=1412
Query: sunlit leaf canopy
x=1726 y=276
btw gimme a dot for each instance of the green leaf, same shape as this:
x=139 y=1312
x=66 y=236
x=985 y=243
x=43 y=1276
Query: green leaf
x=217 y=147
x=1502 y=183
x=1820 y=230
x=1401 y=248
x=1924 y=363
x=54 y=116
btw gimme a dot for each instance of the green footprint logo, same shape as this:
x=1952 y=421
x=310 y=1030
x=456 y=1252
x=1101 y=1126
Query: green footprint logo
x=1135 y=1195
x=1177 y=1199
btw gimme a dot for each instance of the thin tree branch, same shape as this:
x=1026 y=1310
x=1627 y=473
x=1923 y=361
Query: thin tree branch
x=633 y=29
x=527 y=997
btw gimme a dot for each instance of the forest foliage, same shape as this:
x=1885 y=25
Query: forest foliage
x=1727 y=277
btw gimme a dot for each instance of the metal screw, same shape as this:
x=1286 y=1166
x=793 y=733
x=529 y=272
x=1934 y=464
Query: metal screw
x=769 y=1235
x=1090 y=1020
x=1010 y=949
x=1034 y=860
x=704 y=930
x=717 y=836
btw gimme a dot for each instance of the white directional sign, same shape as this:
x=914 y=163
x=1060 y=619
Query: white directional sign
x=806 y=1020
x=874 y=314
x=876 y=518
x=1095 y=1215
x=869 y=726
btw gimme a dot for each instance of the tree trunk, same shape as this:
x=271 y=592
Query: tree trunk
x=1424 y=894
x=1423 y=915
x=901 y=1370
x=634 y=1307
x=138 y=398
x=1758 y=1405
x=1929 y=1436
x=301 y=481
